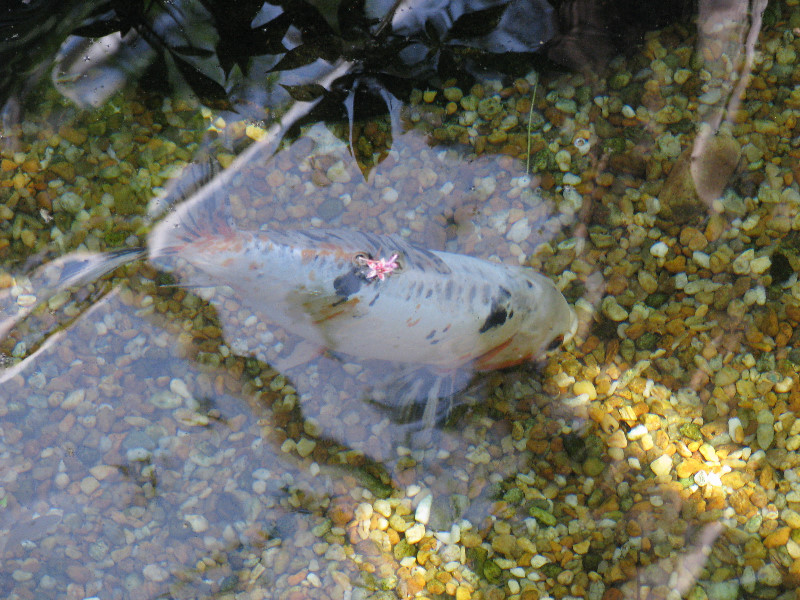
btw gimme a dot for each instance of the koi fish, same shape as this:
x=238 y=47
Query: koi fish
x=374 y=296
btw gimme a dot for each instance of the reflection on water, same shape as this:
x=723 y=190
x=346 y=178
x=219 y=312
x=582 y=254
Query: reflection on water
x=155 y=444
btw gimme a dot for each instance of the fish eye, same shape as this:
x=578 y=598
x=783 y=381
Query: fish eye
x=555 y=343
x=360 y=258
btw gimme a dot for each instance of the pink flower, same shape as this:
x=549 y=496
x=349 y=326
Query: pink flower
x=381 y=267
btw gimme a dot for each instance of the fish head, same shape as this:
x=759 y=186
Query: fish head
x=551 y=319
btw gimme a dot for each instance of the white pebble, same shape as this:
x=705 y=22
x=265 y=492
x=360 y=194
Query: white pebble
x=389 y=195
x=178 y=386
x=415 y=533
x=760 y=265
x=423 y=512
x=155 y=573
x=611 y=308
x=563 y=160
x=659 y=249
x=741 y=264
x=364 y=511
x=757 y=295
x=73 y=399
x=538 y=561
x=637 y=432
x=701 y=258
x=519 y=231
x=383 y=508
x=198 y=523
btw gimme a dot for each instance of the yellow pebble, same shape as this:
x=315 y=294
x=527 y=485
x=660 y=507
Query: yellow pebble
x=255 y=133
x=463 y=593
x=585 y=387
x=777 y=538
x=28 y=238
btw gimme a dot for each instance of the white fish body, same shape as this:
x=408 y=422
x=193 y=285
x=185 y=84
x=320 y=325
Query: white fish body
x=436 y=308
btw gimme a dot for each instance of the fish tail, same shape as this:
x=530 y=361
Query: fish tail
x=80 y=268
x=72 y=270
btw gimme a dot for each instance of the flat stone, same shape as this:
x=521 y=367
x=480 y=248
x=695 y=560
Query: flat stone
x=89 y=484
x=504 y=544
x=423 y=512
x=777 y=538
x=415 y=533
x=661 y=466
x=155 y=573
x=198 y=523
x=726 y=376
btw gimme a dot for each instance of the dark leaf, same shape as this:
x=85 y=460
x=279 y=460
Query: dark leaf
x=101 y=28
x=308 y=19
x=305 y=54
x=352 y=20
x=431 y=31
x=268 y=39
x=192 y=51
x=240 y=46
x=478 y=23
x=202 y=85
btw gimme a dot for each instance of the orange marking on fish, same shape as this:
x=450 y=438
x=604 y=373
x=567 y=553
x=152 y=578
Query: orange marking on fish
x=328 y=317
x=483 y=362
x=340 y=309
x=411 y=323
x=307 y=255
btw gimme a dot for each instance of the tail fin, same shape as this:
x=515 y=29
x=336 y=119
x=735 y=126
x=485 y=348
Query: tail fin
x=79 y=268
x=206 y=214
x=72 y=270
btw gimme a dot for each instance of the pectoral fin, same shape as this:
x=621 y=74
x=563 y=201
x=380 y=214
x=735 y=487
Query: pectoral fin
x=422 y=395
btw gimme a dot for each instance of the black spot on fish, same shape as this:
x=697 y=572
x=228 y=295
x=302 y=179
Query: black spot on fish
x=431 y=334
x=530 y=285
x=371 y=302
x=498 y=314
x=429 y=293
x=448 y=290
x=348 y=284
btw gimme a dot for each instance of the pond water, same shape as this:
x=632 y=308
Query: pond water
x=167 y=437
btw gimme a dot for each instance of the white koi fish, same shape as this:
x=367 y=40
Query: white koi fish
x=374 y=296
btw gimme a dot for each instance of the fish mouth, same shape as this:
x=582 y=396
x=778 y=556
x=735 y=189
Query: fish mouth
x=573 y=325
x=567 y=335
